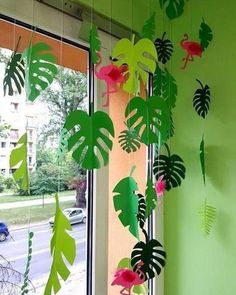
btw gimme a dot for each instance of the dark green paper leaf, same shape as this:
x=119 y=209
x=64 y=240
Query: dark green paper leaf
x=149 y=28
x=63 y=246
x=202 y=159
x=208 y=216
x=63 y=144
x=164 y=49
x=130 y=140
x=151 y=198
x=141 y=211
x=147 y=115
x=205 y=35
x=91 y=138
x=174 y=8
x=202 y=99
x=40 y=69
x=95 y=44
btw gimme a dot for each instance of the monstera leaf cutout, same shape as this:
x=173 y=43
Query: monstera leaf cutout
x=171 y=168
x=90 y=138
x=63 y=246
x=174 y=8
x=208 y=216
x=151 y=198
x=95 y=44
x=202 y=99
x=126 y=201
x=147 y=115
x=140 y=59
x=18 y=157
x=164 y=49
x=164 y=85
x=202 y=159
x=129 y=140
x=205 y=35
x=40 y=69
x=149 y=28
x=141 y=211
x=152 y=255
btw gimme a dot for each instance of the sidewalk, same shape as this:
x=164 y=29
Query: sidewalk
x=5 y=206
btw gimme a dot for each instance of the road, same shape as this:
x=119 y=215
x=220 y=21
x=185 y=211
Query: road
x=16 y=250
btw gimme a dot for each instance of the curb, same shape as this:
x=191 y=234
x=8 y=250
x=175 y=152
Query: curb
x=24 y=226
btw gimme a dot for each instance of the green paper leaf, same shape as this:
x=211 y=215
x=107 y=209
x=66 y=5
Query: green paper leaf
x=95 y=44
x=63 y=144
x=126 y=201
x=152 y=255
x=171 y=167
x=90 y=141
x=208 y=216
x=173 y=8
x=151 y=198
x=125 y=263
x=141 y=211
x=149 y=28
x=202 y=159
x=140 y=59
x=24 y=288
x=40 y=69
x=18 y=160
x=147 y=115
x=205 y=35
x=164 y=85
x=164 y=49
x=129 y=140
x=63 y=246
x=140 y=289
x=202 y=99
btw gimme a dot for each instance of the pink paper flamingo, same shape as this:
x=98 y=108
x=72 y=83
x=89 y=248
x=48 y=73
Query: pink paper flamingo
x=160 y=186
x=127 y=278
x=112 y=75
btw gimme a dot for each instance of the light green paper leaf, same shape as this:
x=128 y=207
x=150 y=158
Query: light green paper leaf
x=173 y=8
x=208 y=216
x=149 y=28
x=40 y=69
x=205 y=35
x=141 y=59
x=147 y=116
x=91 y=141
x=18 y=157
x=126 y=201
x=202 y=159
x=63 y=246
x=63 y=144
x=95 y=44
x=140 y=289
x=151 y=198
x=125 y=263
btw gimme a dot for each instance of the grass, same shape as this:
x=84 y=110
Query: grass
x=36 y=213
x=16 y=198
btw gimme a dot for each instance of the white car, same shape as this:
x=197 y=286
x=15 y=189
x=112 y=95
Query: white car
x=75 y=215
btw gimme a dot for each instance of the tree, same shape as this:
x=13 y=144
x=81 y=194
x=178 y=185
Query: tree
x=4 y=129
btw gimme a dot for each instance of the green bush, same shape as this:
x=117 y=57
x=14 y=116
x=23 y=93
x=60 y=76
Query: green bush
x=10 y=183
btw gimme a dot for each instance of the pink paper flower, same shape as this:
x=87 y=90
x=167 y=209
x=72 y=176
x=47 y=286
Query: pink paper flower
x=160 y=186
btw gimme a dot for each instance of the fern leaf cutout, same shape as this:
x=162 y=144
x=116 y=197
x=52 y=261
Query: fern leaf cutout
x=208 y=216
x=63 y=246
x=129 y=140
x=202 y=159
x=18 y=161
x=149 y=28
x=95 y=44
x=141 y=211
x=24 y=288
x=151 y=198
x=205 y=35
x=63 y=144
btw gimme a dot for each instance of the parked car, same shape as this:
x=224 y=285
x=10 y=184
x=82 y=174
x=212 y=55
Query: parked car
x=4 y=232
x=75 y=215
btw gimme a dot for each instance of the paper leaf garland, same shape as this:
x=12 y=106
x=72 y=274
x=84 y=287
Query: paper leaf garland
x=192 y=49
x=40 y=69
x=95 y=44
x=140 y=59
x=129 y=140
x=164 y=49
x=90 y=138
x=151 y=198
x=171 y=167
x=126 y=201
x=63 y=144
x=202 y=159
x=18 y=161
x=205 y=35
x=164 y=85
x=146 y=115
x=202 y=99
x=141 y=211
x=63 y=247
x=173 y=8
x=24 y=288
x=208 y=216
x=149 y=28
x=14 y=74
x=152 y=256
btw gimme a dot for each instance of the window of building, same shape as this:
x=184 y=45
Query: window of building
x=13 y=144
x=3 y=144
x=14 y=134
x=30 y=160
x=31 y=147
x=14 y=107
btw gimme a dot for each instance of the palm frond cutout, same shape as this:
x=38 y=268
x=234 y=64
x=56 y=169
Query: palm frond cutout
x=202 y=99
x=164 y=49
x=14 y=76
x=205 y=35
x=95 y=44
x=141 y=211
x=129 y=140
x=208 y=216
x=63 y=144
x=149 y=28
x=202 y=159
x=24 y=288
x=63 y=247
x=18 y=161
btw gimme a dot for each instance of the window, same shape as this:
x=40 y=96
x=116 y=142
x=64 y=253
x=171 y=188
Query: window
x=3 y=144
x=14 y=106
x=30 y=147
x=13 y=144
x=14 y=134
x=30 y=160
